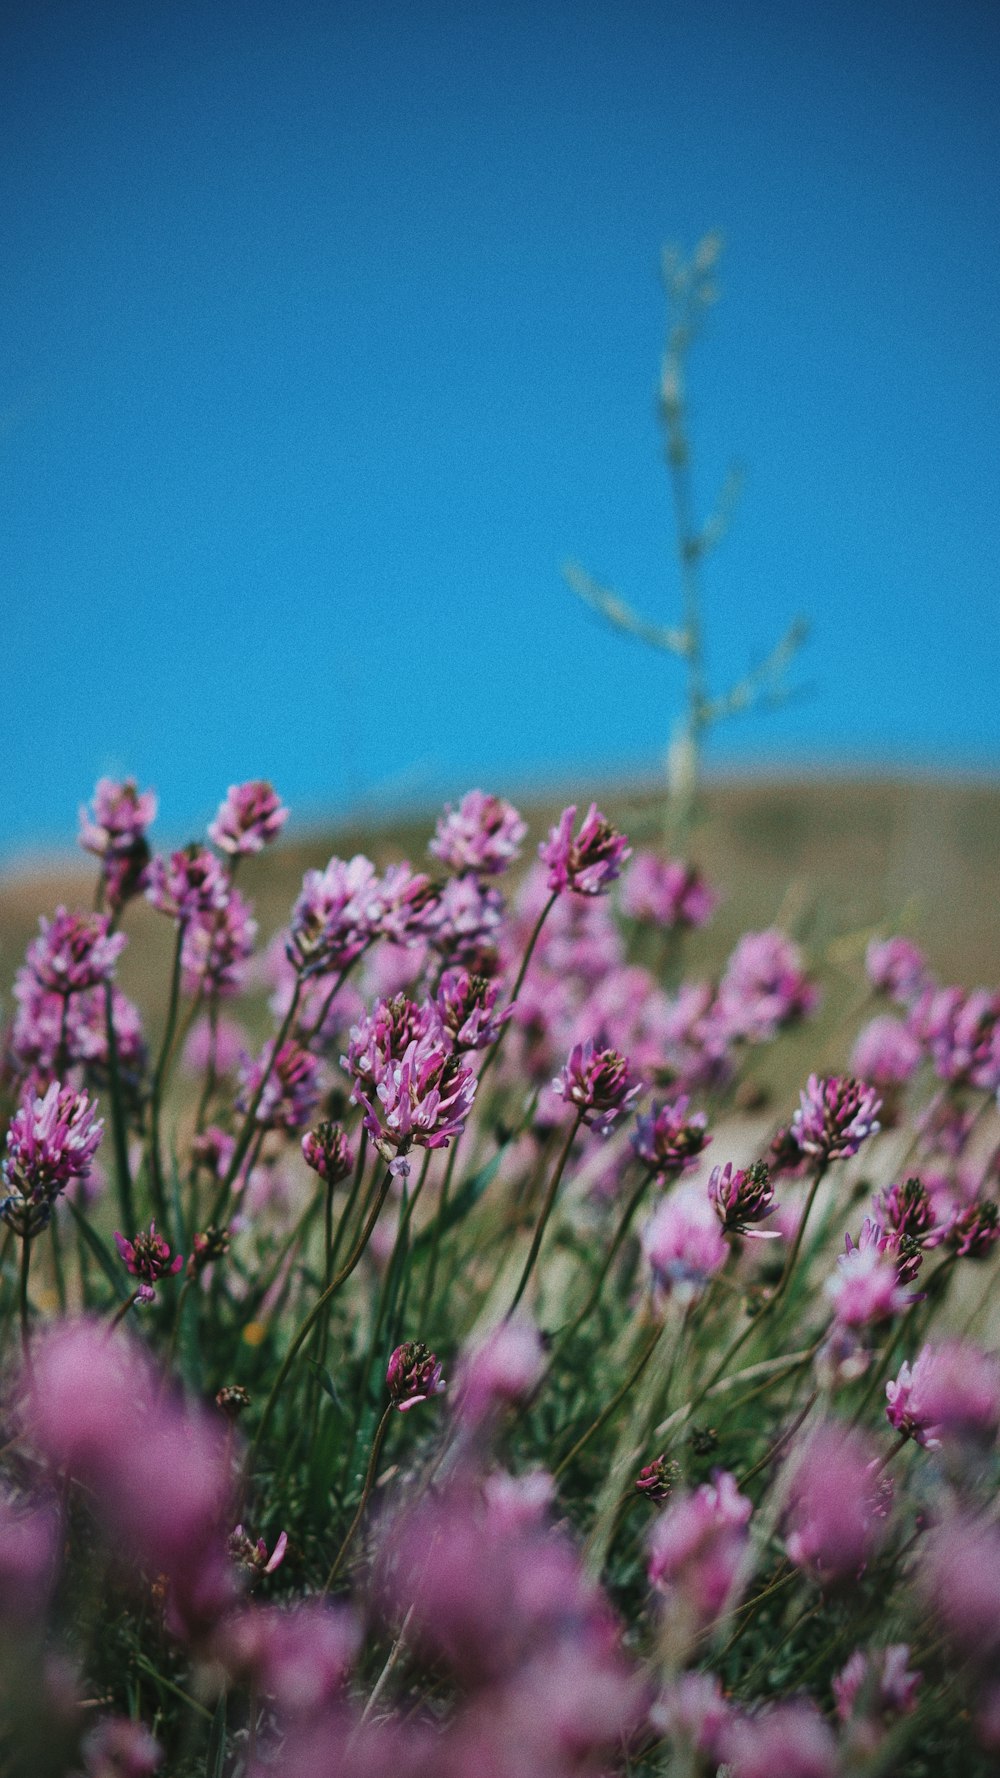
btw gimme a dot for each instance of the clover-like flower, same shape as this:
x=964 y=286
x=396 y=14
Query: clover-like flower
x=835 y=1116
x=741 y=1196
x=327 y=1151
x=588 y=862
x=599 y=1083
x=147 y=1256
x=669 y=1139
x=483 y=835
x=189 y=882
x=667 y=892
x=249 y=818
x=413 y=1375
x=74 y=952
x=50 y=1141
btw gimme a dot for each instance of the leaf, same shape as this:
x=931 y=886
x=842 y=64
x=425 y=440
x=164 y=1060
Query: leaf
x=217 y=1741
x=111 y=1267
x=327 y=1384
x=464 y=1200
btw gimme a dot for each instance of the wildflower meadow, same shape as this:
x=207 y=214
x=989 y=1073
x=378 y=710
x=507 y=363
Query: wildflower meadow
x=427 y=1352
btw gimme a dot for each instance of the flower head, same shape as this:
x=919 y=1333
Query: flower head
x=973 y=1230
x=414 y=1375
x=147 y=1256
x=189 y=882
x=327 y=1151
x=588 y=862
x=659 y=1479
x=114 y=830
x=878 y=1685
x=422 y=1096
x=252 y=1557
x=835 y=1116
x=697 y=1547
x=249 y=818
x=50 y=1141
x=833 y=1517
x=669 y=1140
x=335 y=916
x=217 y=945
x=483 y=835
x=886 y=1053
x=598 y=1083
x=666 y=892
x=501 y=1370
x=764 y=987
x=466 y=1007
x=467 y=922
x=867 y=1287
x=742 y=1196
x=951 y=1390
x=74 y=952
x=897 y=968
x=292 y=1090
x=683 y=1242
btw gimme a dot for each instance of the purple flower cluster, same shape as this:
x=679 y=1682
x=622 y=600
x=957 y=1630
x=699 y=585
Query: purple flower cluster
x=599 y=1084
x=74 y=952
x=669 y=1140
x=667 y=893
x=835 y=1116
x=114 y=830
x=587 y=862
x=248 y=819
x=483 y=836
x=51 y=1141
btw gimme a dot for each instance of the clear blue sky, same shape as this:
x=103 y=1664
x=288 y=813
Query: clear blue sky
x=329 y=330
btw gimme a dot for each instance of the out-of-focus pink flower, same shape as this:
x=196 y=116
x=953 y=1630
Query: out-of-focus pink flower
x=666 y=892
x=697 y=1548
x=189 y=882
x=299 y=1656
x=413 y=1375
x=327 y=1151
x=697 y=1038
x=833 y=1519
x=50 y=1140
x=683 y=1242
x=791 y=1739
x=693 y=1712
x=216 y=947
x=974 y=1229
x=959 y=1571
x=764 y=987
x=147 y=1256
x=466 y=1007
x=409 y=905
x=117 y=1747
x=518 y=1502
x=599 y=1083
x=161 y=1494
x=335 y=916
x=114 y=830
x=669 y=1140
x=867 y=1286
x=962 y=1035
x=500 y=1371
x=588 y=862
x=249 y=818
x=908 y=1208
x=875 y=1688
x=292 y=1090
x=897 y=968
x=886 y=1053
x=951 y=1390
x=117 y=818
x=223 y=1046
x=467 y=923
x=741 y=1196
x=483 y=835
x=29 y=1540
x=835 y=1116
x=74 y=952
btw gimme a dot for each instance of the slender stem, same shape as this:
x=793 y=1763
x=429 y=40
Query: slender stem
x=352 y=1196
x=606 y=1412
x=369 y=1483
x=246 y=1134
x=494 y=1049
x=317 y=1025
x=776 y=1449
x=159 y=1074
x=622 y=1230
x=309 y=1323
x=122 y=1310
x=546 y=1211
x=25 y=1305
x=392 y=1661
x=123 y=1173
x=439 y=1216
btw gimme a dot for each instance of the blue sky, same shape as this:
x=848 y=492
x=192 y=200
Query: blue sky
x=328 y=331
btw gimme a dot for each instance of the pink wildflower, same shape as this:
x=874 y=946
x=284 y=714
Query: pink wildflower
x=877 y=1686
x=187 y=883
x=683 y=1242
x=50 y=1141
x=897 y=968
x=867 y=1287
x=668 y=1140
x=252 y=1557
x=960 y=1573
x=299 y=1657
x=216 y=947
x=118 y=1747
x=422 y=1097
x=835 y=1116
x=335 y=916
x=467 y=922
x=599 y=1084
x=466 y=1007
x=764 y=987
x=249 y=818
x=791 y=1739
x=483 y=835
x=693 y=1712
x=74 y=952
x=833 y=1522
x=666 y=892
x=951 y=1390
x=292 y=1090
x=500 y=1371
x=413 y=1376
x=327 y=1151
x=147 y=1256
x=741 y=1197
x=114 y=829
x=886 y=1053
x=697 y=1548
x=588 y=863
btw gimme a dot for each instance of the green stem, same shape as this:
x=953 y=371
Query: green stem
x=606 y=1412
x=439 y=1216
x=122 y=1310
x=247 y=1129
x=159 y=1077
x=494 y=1049
x=119 y=1132
x=546 y=1211
x=25 y=1304
x=369 y=1483
x=309 y=1323
x=622 y=1230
